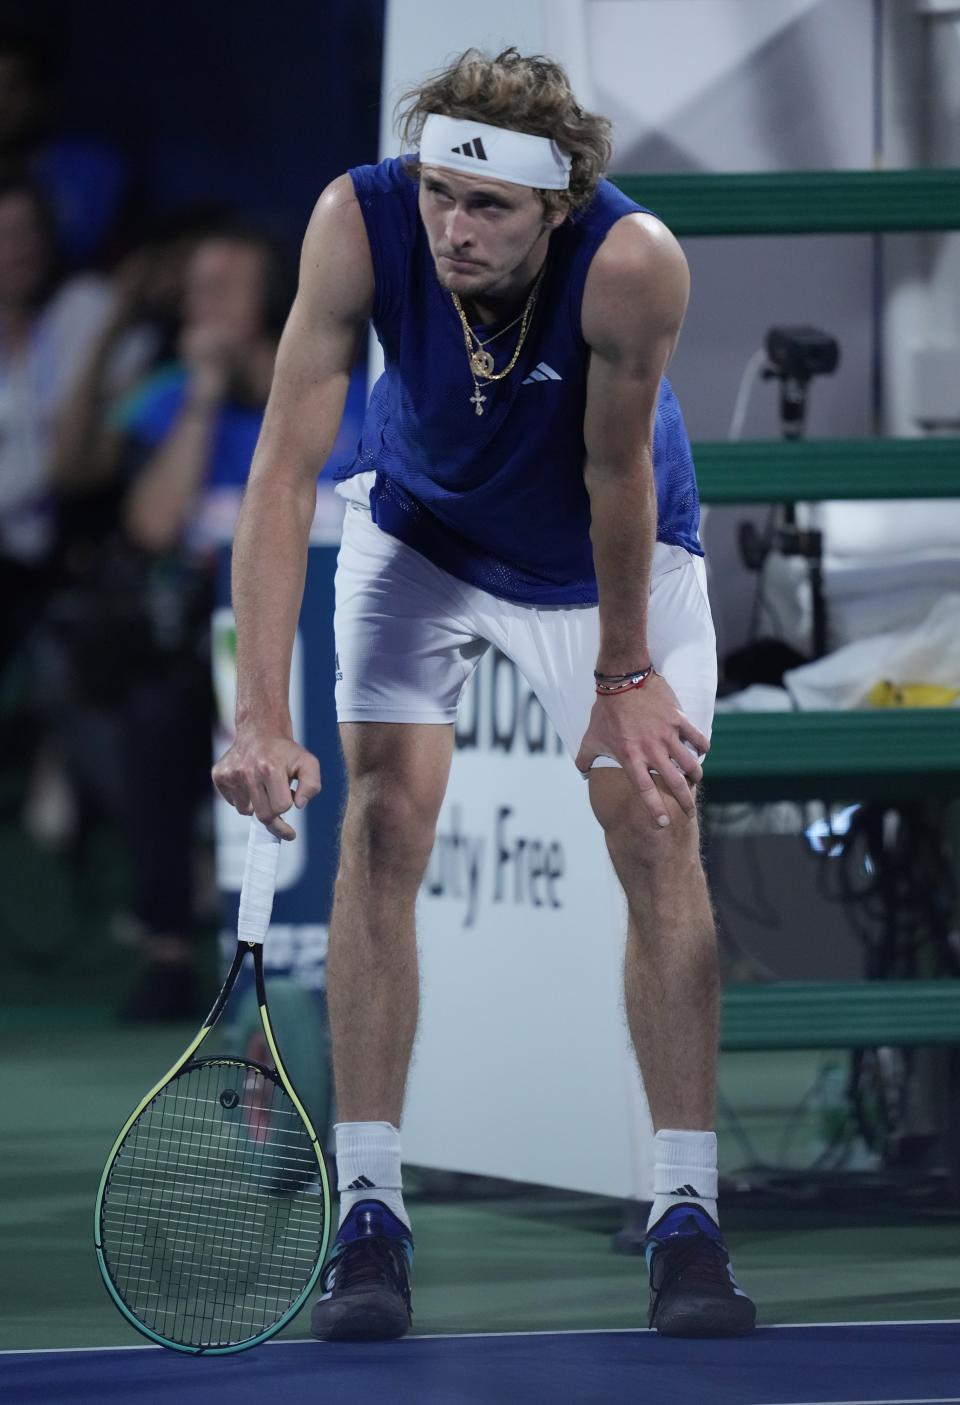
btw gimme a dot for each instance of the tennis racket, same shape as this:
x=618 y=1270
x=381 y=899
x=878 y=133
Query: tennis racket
x=213 y=1212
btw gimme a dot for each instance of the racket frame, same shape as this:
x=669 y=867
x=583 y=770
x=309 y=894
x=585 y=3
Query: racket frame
x=244 y=945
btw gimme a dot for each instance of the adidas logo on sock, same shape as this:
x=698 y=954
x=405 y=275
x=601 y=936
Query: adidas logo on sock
x=543 y=372
x=361 y=1183
x=688 y=1192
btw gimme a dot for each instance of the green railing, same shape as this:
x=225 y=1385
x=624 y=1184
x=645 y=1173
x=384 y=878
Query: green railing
x=812 y=470
x=839 y=1015
x=893 y=753
x=801 y=202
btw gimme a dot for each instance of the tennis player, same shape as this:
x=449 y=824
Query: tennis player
x=524 y=479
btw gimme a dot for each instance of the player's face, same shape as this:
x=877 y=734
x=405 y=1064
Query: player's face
x=486 y=237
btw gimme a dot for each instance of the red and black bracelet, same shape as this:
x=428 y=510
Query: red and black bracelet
x=609 y=684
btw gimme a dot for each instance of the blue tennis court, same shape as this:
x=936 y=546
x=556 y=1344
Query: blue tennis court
x=916 y=1363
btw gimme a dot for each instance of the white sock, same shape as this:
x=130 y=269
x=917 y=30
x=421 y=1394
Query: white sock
x=685 y=1169
x=368 y=1166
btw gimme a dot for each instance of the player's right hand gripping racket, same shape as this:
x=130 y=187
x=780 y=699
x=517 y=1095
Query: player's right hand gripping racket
x=213 y=1212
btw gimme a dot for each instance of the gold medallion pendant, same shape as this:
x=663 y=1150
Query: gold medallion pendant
x=479 y=360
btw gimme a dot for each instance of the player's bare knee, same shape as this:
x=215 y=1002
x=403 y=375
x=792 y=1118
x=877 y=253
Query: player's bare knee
x=640 y=844
x=633 y=838
x=387 y=833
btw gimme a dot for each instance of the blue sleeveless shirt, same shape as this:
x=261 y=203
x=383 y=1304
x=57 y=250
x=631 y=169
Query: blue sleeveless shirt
x=497 y=500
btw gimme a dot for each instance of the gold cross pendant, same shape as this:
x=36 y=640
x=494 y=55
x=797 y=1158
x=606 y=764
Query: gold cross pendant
x=476 y=400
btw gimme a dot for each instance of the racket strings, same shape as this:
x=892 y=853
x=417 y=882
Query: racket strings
x=213 y=1219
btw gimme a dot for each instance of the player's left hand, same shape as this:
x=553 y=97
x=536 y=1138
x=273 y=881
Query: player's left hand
x=644 y=730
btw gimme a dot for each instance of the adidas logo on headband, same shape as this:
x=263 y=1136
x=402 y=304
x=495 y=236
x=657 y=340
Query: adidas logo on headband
x=471 y=148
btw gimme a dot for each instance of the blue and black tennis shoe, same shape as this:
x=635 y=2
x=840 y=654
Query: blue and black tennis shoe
x=693 y=1292
x=366 y=1280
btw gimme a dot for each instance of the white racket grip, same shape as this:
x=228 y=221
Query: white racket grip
x=259 y=883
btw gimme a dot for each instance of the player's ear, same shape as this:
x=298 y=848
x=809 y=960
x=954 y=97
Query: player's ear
x=554 y=215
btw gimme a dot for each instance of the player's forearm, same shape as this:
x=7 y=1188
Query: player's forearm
x=269 y=568
x=623 y=530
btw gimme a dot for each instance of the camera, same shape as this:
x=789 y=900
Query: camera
x=797 y=353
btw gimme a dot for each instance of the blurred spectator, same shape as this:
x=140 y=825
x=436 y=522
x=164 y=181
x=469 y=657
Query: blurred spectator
x=189 y=435
x=47 y=326
x=141 y=333
x=195 y=424
x=84 y=179
x=93 y=620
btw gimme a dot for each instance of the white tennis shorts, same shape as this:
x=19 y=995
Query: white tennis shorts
x=409 y=636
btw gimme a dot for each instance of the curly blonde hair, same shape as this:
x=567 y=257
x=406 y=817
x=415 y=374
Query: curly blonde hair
x=525 y=92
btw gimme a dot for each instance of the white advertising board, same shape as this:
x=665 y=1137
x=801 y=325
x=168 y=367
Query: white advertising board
x=523 y=1067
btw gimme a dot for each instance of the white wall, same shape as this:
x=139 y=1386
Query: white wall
x=422 y=35
x=921 y=128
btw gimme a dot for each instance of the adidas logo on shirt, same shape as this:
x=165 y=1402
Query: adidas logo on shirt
x=472 y=148
x=543 y=372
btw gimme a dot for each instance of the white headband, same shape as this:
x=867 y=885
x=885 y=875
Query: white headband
x=495 y=152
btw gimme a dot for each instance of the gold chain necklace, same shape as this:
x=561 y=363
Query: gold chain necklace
x=479 y=359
